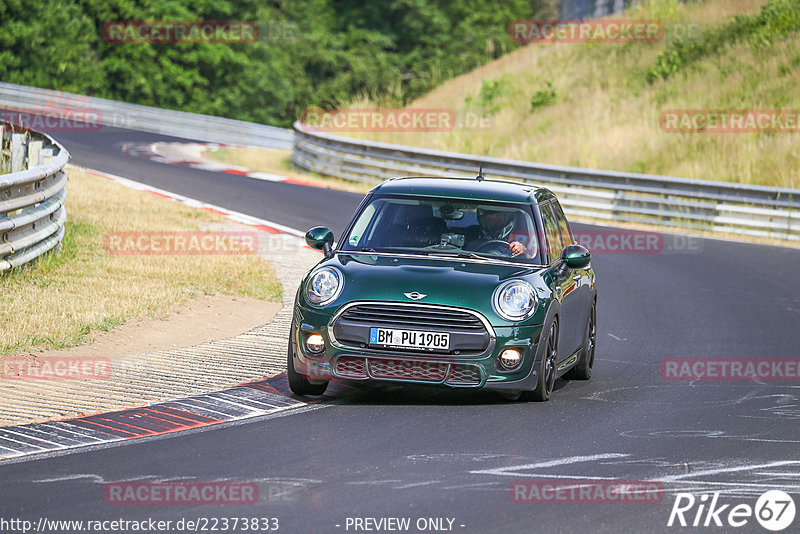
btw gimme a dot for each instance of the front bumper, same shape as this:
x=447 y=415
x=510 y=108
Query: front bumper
x=479 y=369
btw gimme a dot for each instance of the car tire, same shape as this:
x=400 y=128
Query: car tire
x=546 y=367
x=583 y=369
x=299 y=384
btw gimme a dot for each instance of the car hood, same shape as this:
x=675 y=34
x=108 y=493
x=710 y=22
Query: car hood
x=462 y=283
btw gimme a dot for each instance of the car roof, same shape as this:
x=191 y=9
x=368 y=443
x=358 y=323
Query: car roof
x=471 y=188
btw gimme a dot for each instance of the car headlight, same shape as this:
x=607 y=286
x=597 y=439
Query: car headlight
x=514 y=300
x=324 y=286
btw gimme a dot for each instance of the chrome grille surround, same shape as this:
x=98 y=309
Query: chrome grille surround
x=405 y=315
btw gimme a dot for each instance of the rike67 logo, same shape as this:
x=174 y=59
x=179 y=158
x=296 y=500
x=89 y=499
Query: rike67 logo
x=774 y=510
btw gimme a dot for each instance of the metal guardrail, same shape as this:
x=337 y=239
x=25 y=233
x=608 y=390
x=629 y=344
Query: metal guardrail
x=32 y=194
x=614 y=196
x=99 y=111
x=581 y=9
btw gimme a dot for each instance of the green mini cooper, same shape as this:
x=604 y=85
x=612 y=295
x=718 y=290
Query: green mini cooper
x=450 y=281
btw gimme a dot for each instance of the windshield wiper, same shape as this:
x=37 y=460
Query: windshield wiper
x=393 y=250
x=461 y=254
x=472 y=255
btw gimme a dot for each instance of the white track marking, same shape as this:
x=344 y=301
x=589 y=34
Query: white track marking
x=117 y=442
x=78 y=476
x=97 y=479
x=735 y=485
x=514 y=469
x=235 y=215
x=266 y=176
x=417 y=484
x=73 y=429
x=484 y=486
x=373 y=482
x=53 y=443
x=6 y=438
x=674 y=478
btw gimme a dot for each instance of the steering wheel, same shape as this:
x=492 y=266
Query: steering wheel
x=506 y=247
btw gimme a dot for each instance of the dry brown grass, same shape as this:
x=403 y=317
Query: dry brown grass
x=606 y=116
x=84 y=288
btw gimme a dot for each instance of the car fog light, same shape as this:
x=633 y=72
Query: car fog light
x=315 y=343
x=510 y=358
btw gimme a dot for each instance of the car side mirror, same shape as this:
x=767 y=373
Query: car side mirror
x=320 y=238
x=576 y=256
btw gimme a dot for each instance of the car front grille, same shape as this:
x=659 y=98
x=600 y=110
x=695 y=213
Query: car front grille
x=456 y=374
x=407 y=369
x=469 y=335
x=350 y=367
x=410 y=316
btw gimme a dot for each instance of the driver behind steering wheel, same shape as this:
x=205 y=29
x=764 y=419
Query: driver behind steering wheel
x=496 y=225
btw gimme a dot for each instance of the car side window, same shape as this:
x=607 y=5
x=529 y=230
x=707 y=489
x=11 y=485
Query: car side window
x=551 y=232
x=563 y=225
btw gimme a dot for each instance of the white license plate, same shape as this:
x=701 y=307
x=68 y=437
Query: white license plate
x=411 y=339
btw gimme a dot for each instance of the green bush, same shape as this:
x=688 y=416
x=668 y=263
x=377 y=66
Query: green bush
x=776 y=19
x=314 y=53
x=490 y=96
x=543 y=97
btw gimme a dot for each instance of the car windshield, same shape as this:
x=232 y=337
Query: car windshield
x=446 y=227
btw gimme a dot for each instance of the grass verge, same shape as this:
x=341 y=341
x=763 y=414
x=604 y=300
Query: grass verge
x=599 y=105
x=58 y=301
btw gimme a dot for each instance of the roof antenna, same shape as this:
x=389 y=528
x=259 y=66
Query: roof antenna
x=480 y=174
